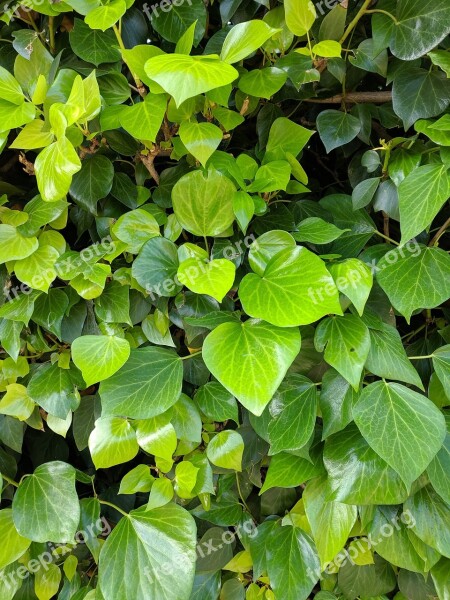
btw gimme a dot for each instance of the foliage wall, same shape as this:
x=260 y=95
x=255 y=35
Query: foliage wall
x=224 y=326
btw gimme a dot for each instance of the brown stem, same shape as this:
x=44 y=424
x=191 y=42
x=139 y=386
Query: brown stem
x=440 y=232
x=354 y=98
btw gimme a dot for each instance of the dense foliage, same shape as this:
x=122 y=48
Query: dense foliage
x=225 y=343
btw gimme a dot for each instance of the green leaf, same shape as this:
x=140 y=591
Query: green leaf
x=138 y=479
x=262 y=83
x=286 y=471
x=296 y=289
x=331 y=522
x=16 y=115
x=54 y=168
x=287 y=546
x=50 y=309
x=337 y=128
x=104 y=17
x=364 y=192
x=157 y=436
x=134 y=228
x=293 y=411
x=46 y=582
x=93 y=182
x=244 y=39
x=155 y=268
x=387 y=357
x=16 y=402
x=161 y=493
x=356 y=474
x=243 y=208
x=113 y=306
x=214 y=277
x=112 y=442
x=143 y=119
x=300 y=16
x=431 y=516
x=286 y=138
x=54 y=389
x=201 y=139
x=354 y=279
x=51 y=487
x=184 y=76
x=420 y=26
x=147 y=385
x=203 y=202
x=92 y=45
x=186 y=41
x=171 y=21
x=10 y=89
x=99 y=356
x=225 y=450
x=216 y=402
x=13 y=246
x=419 y=94
x=327 y=48
x=266 y=247
x=356 y=581
x=336 y=402
x=441 y=58
x=37 y=270
x=347 y=343
x=407 y=292
x=14 y=544
x=403 y=427
x=317 y=231
x=159 y=546
x=421 y=195
x=261 y=355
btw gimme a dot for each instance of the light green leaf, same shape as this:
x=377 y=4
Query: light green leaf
x=14 y=115
x=347 y=343
x=403 y=427
x=441 y=58
x=104 y=17
x=214 y=278
x=138 y=479
x=327 y=48
x=408 y=292
x=184 y=76
x=203 y=202
x=225 y=450
x=296 y=289
x=300 y=16
x=161 y=493
x=331 y=522
x=16 y=402
x=158 y=551
x=216 y=402
x=14 y=246
x=317 y=231
x=147 y=385
x=244 y=39
x=354 y=279
x=135 y=228
x=157 y=436
x=32 y=136
x=14 y=545
x=201 y=139
x=286 y=138
x=51 y=487
x=143 y=119
x=261 y=356
x=266 y=247
x=10 y=89
x=356 y=474
x=112 y=442
x=99 y=356
x=46 y=581
x=54 y=168
x=262 y=83
x=37 y=270
x=287 y=471
x=186 y=41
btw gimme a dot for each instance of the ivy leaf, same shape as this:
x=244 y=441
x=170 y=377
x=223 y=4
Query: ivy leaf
x=54 y=168
x=134 y=228
x=216 y=402
x=403 y=427
x=143 y=119
x=225 y=450
x=356 y=474
x=159 y=546
x=147 y=385
x=244 y=39
x=93 y=182
x=99 y=356
x=14 y=544
x=300 y=16
x=184 y=76
x=51 y=487
x=262 y=355
x=214 y=278
x=347 y=344
x=54 y=389
x=286 y=471
x=37 y=270
x=337 y=128
x=431 y=516
x=287 y=546
x=203 y=202
x=293 y=411
x=201 y=139
x=421 y=195
x=331 y=522
x=157 y=436
x=355 y=580
x=398 y=277
x=317 y=231
x=172 y=23
x=104 y=17
x=92 y=45
x=354 y=279
x=112 y=442
x=14 y=246
x=155 y=268
x=295 y=289
x=420 y=26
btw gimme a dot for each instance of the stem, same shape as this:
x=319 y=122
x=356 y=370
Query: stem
x=51 y=33
x=384 y=12
x=206 y=244
x=354 y=98
x=190 y=355
x=385 y=237
x=10 y=481
x=420 y=357
x=113 y=506
x=354 y=22
x=241 y=496
x=440 y=232
x=138 y=82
